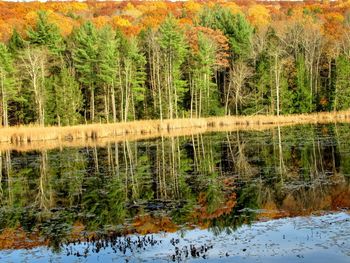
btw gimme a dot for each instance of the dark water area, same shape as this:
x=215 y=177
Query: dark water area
x=250 y=196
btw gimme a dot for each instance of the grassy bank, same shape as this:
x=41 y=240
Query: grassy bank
x=31 y=137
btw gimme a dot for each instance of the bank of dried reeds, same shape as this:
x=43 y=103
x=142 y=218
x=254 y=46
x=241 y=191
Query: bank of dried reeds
x=29 y=136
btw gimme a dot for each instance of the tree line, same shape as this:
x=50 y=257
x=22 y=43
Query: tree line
x=221 y=64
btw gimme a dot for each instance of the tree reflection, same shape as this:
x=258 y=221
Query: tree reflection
x=219 y=181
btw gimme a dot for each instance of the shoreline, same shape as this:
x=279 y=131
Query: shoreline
x=35 y=137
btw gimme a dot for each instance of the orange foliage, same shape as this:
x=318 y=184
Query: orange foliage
x=333 y=26
x=132 y=16
x=191 y=7
x=202 y=213
x=65 y=24
x=19 y=239
x=77 y=230
x=270 y=211
x=340 y=198
x=147 y=224
x=5 y=31
x=100 y=21
x=217 y=37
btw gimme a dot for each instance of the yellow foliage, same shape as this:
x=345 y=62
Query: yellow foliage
x=135 y=13
x=100 y=21
x=118 y=22
x=335 y=17
x=129 y=6
x=234 y=8
x=31 y=18
x=65 y=24
x=192 y=6
x=259 y=15
x=68 y=7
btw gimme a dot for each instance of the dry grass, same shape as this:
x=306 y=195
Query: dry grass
x=31 y=137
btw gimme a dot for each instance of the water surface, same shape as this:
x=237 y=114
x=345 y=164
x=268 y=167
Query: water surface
x=247 y=196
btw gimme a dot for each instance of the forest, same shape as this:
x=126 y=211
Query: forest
x=67 y=63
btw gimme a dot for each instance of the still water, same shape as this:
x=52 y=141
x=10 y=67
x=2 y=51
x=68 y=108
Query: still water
x=245 y=196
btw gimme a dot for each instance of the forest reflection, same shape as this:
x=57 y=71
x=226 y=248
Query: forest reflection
x=217 y=181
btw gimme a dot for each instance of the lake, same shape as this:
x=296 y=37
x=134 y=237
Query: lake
x=281 y=194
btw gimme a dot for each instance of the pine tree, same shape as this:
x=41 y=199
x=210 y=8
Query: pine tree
x=16 y=42
x=85 y=59
x=342 y=91
x=173 y=52
x=8 y=90
x=68 y=98
x=234 y=26
x=108 y=71
x=46 y=34
x=303 y=94
x=204 y=97
x=133 y=79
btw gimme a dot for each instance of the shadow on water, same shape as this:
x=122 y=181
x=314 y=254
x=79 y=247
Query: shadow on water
x=124 y=194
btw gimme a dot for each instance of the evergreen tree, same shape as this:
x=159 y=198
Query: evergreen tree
x=342 y=91
x=260 y=101
x=234 y=26
x=16 y=42
x=8 y=91
x=108 y=71
x=68 y=98
x=204 y=97
x=302 y=93
x=133 y=74
x=173 y=50
x=46 y=34
x=85 y=59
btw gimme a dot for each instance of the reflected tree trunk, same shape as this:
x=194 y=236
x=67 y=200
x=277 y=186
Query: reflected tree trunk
x=282 y=169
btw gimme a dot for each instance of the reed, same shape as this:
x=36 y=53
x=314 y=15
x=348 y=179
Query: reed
x=33 y=137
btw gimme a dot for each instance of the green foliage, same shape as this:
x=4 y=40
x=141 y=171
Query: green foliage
x=234 y=26
x=173 y=50
x=302 y=93
x=16 y=42
x=97 y=74
x=46 y=34
x=342 y=94
x=8 y=90
x=68 y=98
x=204 y=96
x=108 y=56
x=134 y=75
x=84 y=53
x=260 y=101
x=85 y=59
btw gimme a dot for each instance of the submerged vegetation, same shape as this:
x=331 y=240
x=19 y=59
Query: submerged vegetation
x=70 y=63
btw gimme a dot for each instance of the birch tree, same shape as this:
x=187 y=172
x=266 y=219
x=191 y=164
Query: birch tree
x=35 y=68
